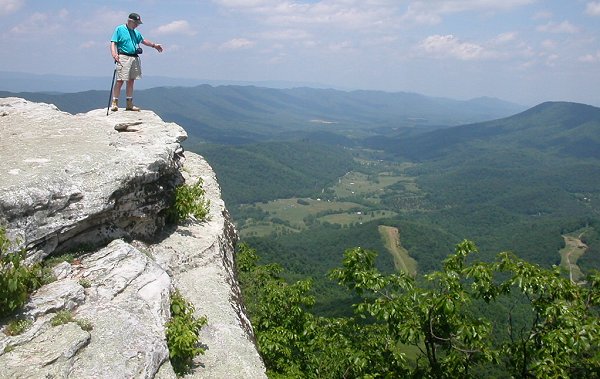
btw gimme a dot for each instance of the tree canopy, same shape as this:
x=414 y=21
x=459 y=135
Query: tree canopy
x=428 y=327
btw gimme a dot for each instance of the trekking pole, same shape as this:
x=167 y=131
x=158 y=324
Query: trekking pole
x=112 y=85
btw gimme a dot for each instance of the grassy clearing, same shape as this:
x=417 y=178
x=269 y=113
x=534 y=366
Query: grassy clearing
x=359 y=184
x=569 y=255
x=288 y=215
x=356 y=217
x=291 y=211
x=264 y=229
x=402 y=260
x=293 y=215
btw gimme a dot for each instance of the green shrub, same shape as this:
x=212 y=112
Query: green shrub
x=53 y=261
x=62 y=317
x=189 y=201
x=85 y=325
x=17 y=280
x=66 y=316
x=16 y=327
x=85 y=283
x=183 y=331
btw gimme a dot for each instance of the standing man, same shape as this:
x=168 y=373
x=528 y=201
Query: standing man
x=124 y=46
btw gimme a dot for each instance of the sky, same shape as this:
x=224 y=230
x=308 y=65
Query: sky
x=524 y=51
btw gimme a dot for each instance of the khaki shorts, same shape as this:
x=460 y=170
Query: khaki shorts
x=128 y=68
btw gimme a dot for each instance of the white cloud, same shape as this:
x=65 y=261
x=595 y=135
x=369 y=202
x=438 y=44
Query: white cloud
x=505 y=37
x=286 y=35
x=371 y=16
x=176 y=27
x=542 y=15
x=415 y=15
x=453 y=6
x=527 y=65
x=244 y=3
x=551 y=59
x=101 y=21
x=342 y=46
x=32 y=25
x=593 y=8
x=10 y=6
x=563 y=27
x=237 y=44
x=590 y=58
x=350 y=14
x=431 y=11
x=42 y=24
x=549 y=44
x=448 y=46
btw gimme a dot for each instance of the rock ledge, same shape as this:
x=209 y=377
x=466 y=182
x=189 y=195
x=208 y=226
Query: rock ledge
x=68 y=181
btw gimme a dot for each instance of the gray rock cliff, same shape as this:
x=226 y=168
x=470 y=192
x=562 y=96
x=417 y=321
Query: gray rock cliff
x=92 y=180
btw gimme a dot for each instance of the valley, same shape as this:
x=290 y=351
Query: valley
x=378 y=184
x=355 y=198
x=438 y=170
x=485 y=182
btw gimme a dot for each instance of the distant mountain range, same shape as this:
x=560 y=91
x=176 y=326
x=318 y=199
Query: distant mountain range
x=233 y=114
x=27 y=82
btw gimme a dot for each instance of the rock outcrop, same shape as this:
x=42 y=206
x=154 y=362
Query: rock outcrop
x=103 y=183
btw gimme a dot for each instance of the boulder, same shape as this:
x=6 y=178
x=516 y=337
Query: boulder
x=103 y=183
x=70 y=181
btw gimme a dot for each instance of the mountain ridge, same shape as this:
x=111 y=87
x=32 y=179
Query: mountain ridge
x=259 y=113
x=542 y=125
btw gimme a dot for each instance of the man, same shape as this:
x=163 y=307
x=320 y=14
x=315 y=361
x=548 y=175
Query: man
x=125 y=50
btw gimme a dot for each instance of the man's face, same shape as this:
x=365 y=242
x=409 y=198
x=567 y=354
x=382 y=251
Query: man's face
x=132 y=24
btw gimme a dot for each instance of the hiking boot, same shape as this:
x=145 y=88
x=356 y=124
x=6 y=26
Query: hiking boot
x=131 y=107
x=115 y=105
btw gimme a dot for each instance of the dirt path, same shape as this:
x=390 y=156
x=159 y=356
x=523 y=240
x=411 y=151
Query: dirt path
x=402 y=260
x=572 y=251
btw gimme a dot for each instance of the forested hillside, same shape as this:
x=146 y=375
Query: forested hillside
x=556 y=129
x=245 y=114
x=267 y=171
x=515 y=184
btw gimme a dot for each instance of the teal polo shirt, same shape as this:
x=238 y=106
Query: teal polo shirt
x=126 y=39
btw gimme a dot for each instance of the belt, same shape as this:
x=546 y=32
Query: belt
x=129 y=55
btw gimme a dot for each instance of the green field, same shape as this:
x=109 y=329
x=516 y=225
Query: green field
x=264 y=229
x=294 y=212
x=370 y=185
x=335 y=207
x=356 y=217
x=289 y=215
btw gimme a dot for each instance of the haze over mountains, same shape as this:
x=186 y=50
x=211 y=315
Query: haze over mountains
x=482 y=167
x=28 y=82
x=242 y=114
